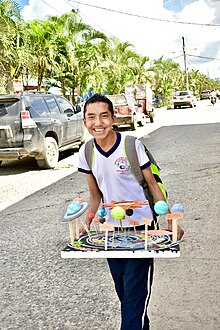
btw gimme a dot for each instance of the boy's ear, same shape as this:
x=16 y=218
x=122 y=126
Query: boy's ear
x=114 y=119
x=84 y=121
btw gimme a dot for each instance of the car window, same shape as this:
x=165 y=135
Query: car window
x=64 y=105
x=181 y=93
x=117 y=99
x=52 y=105
x=9 y=107
x=37 y=107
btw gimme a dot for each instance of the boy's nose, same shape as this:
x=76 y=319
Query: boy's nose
x=98 y=121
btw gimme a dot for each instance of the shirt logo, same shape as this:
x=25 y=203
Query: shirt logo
x=122 y=165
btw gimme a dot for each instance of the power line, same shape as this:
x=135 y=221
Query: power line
x=88 y=18
x=51 y=7
x=145 y=17
x=204 y=57
x=207 y=58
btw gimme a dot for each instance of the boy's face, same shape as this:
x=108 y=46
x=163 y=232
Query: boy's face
x=99 y=120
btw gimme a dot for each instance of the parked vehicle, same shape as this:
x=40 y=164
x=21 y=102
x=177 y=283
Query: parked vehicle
x=184 y=98
x=204 y=95
x=126 y=112
x=40 y=126
x=142 y=94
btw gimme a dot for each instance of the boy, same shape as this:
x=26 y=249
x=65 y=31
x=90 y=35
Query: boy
x=111 y=179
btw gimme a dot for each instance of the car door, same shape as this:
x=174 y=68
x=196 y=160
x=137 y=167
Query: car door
x=58 y=118
x=68 y=111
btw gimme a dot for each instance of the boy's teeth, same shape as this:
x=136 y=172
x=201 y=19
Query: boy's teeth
x=99 y=130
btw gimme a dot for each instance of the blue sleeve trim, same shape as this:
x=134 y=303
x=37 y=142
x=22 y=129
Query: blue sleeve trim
x=84 y=171
x=145 y=165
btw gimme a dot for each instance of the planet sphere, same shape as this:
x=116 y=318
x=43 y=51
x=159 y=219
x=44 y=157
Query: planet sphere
x=161 y=207
x=177 y=208
x=101 y=220
x=129 y=212
x=73 y=208
x=101 y=212
x=118 y=213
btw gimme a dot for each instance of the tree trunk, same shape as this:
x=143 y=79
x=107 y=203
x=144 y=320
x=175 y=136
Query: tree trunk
x=9 y=87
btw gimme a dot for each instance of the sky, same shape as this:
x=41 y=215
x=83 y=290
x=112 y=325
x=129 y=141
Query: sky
x=150 y=26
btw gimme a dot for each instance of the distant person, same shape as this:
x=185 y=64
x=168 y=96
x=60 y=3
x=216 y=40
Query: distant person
x=213 y=94
x=111 y=179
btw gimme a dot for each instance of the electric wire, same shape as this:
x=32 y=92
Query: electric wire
x=145 y=17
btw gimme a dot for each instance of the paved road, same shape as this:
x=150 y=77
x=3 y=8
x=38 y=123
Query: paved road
x=39 y=290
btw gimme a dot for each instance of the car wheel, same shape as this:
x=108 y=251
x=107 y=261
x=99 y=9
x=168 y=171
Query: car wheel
x=51 y=153
x=134 y=123
x=192 y=105
x=0 y=162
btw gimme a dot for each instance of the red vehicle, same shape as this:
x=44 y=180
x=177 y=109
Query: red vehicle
x=126 y=112
x=142 y=94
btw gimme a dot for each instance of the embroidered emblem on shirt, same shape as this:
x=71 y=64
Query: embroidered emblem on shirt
x=122 y=165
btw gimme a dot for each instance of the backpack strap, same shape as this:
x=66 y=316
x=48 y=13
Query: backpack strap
x=89 y=157
x=88 y=152
x=135 y=168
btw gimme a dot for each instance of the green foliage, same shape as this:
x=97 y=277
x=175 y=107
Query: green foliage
x=72 y=55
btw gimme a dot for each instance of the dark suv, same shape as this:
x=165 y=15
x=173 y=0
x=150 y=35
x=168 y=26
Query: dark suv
x=40 y=126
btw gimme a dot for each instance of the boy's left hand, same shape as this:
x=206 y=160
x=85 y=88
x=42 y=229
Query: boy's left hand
x=180 y=231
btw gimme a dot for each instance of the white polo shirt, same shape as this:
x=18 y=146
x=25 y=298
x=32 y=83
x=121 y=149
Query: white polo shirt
x=115 y=179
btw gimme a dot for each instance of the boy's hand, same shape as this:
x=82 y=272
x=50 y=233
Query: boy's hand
x=180 y=231
x=84 y=229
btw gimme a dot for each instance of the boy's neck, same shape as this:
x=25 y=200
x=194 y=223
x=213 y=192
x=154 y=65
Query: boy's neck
x=107 y=143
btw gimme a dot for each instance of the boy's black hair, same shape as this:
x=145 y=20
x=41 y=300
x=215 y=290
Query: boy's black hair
x=96 y=98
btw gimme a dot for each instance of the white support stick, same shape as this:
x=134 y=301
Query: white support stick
x=145 y=243
x=77 y=228
x=113 y=238
x=174 y=229
x=174 y=217
x=106 y=227
x=71 y=232
x=146 y=222
x=106 y=240
x=87 y=231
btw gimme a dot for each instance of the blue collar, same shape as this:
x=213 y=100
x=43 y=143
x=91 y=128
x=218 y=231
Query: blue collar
x=114 y=147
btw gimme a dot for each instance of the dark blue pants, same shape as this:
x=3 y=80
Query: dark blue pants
x=133 y=279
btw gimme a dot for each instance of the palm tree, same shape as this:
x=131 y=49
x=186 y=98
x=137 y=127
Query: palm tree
x=118 y=65
x=75 y=54
x=9 y=20
x=167 y=78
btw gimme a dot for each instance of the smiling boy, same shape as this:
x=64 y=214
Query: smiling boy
x=111 y=179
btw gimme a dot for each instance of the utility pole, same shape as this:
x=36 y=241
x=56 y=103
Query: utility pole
x=186 y=71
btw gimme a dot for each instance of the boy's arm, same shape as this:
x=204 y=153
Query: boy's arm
x=95 y=196
x=158 y=195
x=152 y=185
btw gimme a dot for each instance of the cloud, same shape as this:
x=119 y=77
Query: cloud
x=151 y=37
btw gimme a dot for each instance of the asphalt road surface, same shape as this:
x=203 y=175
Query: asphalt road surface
x=39 y=290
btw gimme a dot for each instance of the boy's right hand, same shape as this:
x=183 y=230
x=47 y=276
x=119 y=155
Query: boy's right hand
x=84 y=229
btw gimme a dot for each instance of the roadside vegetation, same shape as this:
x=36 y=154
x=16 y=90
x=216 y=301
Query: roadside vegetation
x=64 y=52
